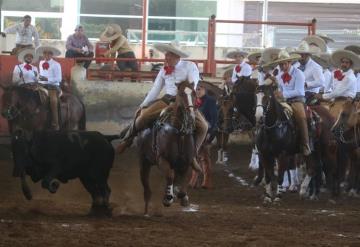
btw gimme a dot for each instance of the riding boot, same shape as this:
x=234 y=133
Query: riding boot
x=127 y=136
x=54 y=109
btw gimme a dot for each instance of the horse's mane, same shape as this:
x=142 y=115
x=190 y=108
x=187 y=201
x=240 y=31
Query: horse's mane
x=245 y=85
x=26 y=94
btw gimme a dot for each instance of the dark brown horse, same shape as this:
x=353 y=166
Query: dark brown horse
x=26 y=107
x=236 y=112
x=170 y=145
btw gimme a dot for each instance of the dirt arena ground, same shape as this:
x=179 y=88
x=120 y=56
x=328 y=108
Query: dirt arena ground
x=231 y=214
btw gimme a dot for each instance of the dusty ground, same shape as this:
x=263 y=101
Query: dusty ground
x=229 y=215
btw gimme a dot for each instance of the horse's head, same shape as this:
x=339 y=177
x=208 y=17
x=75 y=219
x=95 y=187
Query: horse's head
x=20 y=105
x=185 y=97
x=348 y=118
x=226 y=110
x=264 y=94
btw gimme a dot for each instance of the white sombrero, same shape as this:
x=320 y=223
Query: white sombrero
x=326 y=38
x=172 y=47
x=253 y=56
x=304 y=48
x=112 y=32
x=233 y=53
x=27 y=51
x=340 y=54
x=40 y=50
x=353 y=48
x=323 y=59
x=282 y=57
x=314 y=40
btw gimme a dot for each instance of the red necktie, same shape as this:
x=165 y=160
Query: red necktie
x=198 y=102
x=338 y=75
x=45 y=65
x=28 y=66
x=286 y=77
x=238 y=68
x=169 y=70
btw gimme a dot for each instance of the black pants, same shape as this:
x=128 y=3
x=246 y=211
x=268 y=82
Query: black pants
x=125 y=65
x=72 y=53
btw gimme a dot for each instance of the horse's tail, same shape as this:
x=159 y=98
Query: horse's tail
x=82 y=122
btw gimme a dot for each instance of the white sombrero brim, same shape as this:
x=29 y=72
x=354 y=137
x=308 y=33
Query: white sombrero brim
x=40 y=50
x=317 y=41
x=233 y=54
x=293 y=57
x=326 y=38
x=170 y=48
x=340 y=54
x=353 y=48
x=26 y=51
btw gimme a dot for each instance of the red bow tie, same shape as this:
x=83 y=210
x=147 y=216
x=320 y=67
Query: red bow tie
x=238 y=68
x=169 y=70
x=338 y=75
x=28 y=66
x=198 y=102
x=45 y=65
x=286 y=77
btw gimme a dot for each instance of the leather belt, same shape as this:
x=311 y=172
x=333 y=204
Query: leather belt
x=296 y=99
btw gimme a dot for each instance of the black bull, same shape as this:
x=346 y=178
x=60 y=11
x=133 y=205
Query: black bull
x=52 y=155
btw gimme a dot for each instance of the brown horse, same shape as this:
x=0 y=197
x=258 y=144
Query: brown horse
x=26 y=107
x=347 y=131
x=170 y=145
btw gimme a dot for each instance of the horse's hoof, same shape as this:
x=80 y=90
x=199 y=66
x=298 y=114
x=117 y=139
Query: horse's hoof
x=168 y=200
x=100 y=211
x=293 y=188
x=267 y=200
x=277 y=200
x=314 y=198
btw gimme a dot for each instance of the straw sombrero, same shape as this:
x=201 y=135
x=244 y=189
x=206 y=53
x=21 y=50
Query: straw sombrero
x=353 y=48
x=112 y=32
x=304 y=48
x=40 y=50
x=233 y=53
x=340 y=54
x=323 y=59
x=326 y=38
x=172 y=47
x=253 y=56
x=283 y=56
x=314 y=40
x=269 y=54
x=26 y=51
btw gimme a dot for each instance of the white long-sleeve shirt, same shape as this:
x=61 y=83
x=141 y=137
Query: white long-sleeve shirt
x=246 y=70
x=184 y=70
x=53 y=73
x=314 y=76
x=295 y=87
x=28 y=75
x=358 y=82
x=24 y=34
x=327 y=86
x=344 y=88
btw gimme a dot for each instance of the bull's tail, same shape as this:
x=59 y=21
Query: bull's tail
x=82 y=122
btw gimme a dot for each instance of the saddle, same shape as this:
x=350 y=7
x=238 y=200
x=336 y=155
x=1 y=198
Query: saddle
x=287 y=109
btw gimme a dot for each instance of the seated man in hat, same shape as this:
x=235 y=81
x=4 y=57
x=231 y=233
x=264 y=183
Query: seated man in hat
x=343 y=80
x=175 y=71
x=291 y=83
x=119 y=44
x=25 y=72
x=50 y=76
x=242 y=68
x=78 y=45
x=25 y=32
x=314 y=77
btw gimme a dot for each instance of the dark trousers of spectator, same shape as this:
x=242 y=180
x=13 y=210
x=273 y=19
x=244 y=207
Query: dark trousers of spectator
x=127 y=65
x=72 y=53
